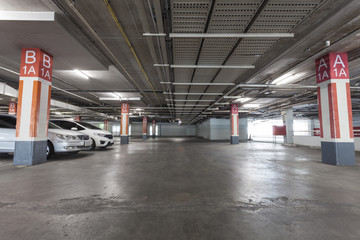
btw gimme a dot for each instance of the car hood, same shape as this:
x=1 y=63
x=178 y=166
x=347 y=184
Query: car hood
x=102 y=131
x=64 y=132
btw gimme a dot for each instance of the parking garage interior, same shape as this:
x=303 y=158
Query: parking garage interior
x=179 y=119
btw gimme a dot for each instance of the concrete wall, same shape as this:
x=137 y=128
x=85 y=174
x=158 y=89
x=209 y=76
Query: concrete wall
x=219 y=129
x=203 y=129
x=175 y=130
x=314 y=141
x=136 y=129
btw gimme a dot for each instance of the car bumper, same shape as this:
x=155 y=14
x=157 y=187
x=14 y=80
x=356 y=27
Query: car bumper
x=71 y=146
x=104 y=142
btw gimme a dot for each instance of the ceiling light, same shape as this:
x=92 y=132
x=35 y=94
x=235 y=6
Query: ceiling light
x=80 y=73
x=242 y=99
x=138 y=109
x=251 y=105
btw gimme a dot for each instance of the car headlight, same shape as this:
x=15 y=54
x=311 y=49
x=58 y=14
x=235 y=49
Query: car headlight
x=67 y=137
x=100 y=134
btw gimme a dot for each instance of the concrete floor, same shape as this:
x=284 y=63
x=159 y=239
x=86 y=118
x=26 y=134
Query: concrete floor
x=181 y=189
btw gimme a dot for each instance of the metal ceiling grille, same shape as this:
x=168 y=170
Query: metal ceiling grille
x=228 y=16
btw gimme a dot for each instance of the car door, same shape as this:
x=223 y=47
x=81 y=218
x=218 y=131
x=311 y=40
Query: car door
x=7 y=134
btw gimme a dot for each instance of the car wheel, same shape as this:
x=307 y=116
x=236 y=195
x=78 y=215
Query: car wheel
x=49 y=150
x=93 y=145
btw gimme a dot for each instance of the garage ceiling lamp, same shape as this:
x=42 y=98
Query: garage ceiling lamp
x=185 y=100
x=251 y=105
x=206 y=66
x=204 y=84
x=208 y=94
x=119 y=99
x=286 y=78
x=80 y=73
x=242 y=99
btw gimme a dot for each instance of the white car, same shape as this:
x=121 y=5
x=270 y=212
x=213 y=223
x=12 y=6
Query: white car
x=59 y=140
x=99 y=137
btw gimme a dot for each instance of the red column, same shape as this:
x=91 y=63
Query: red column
x=234 y=123
x=33 y=106
x=335 y=111
x=106 y=125
x=124 y=129
x=144 y=135
x=12 y=108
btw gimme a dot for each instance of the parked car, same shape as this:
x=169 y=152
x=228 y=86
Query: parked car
x=59 y=140
x=99 y=137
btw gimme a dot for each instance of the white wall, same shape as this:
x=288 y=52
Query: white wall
x=136 y=129
x=219 y=129
x=175 y=130
x=203 y=129
x=314 y=141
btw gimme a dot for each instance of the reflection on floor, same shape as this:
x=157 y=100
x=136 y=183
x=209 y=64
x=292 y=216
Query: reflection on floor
x=181 y=188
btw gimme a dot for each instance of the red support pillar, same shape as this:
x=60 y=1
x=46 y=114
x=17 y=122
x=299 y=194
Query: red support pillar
x=335 y=111
x=12 y=108
x=144 y=135
x=124 y=132
x=33 y=107
x=234 y=123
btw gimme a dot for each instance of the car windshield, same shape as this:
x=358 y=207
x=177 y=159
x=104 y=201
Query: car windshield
x=88 y=125
x=53 y=126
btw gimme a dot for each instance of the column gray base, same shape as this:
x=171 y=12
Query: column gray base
x=124 y=139
x=234 y=140
x=144 y=137
x=30 y=152
x=338 y=153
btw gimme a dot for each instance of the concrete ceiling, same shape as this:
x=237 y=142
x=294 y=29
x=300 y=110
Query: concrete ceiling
x=119 y=60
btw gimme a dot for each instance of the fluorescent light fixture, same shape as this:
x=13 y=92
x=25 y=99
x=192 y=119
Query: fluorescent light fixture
x=242 y=99
x=57 y=113
x=119 y=99
x=154 y=34
x=165 y=82
x=208 y=94
x=205 y=84
x=231 y=35
x=229 y=97
x=110 y=98
x=176 y=100
x=80 y=73
x=138 y=109
x=187 y=105
x=211 y=66
x=161 y=65
x=251 y=105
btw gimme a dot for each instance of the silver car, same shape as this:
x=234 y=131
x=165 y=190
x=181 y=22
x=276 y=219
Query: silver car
x=59 y=140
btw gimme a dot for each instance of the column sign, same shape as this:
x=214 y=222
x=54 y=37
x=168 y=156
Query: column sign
x=12 y=108
x=332 y=66
x=125 y=107
x=234 y=108
x=36 y=63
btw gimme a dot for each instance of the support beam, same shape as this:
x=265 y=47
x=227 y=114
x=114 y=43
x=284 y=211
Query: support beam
x=231 y=35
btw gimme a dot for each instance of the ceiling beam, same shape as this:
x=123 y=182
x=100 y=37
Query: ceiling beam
x=231 y=35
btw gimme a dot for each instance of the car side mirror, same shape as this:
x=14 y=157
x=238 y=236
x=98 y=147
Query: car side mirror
x=74 y=129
